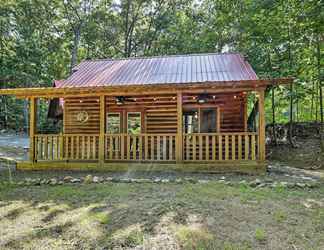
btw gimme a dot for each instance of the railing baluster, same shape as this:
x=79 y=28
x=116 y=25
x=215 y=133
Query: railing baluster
x=200 y=145
x=140 y=148
x=152 y=148
x=134 y=147
x=246 y=149
x=170 y=147
x=226 y=148
x=220 y=147
x=239 y=147
x=146 y=156
x=194 y=147
x=164 y=147
x=158 y=148
x=252 y=147
x=213 y=147
x=233 y=147
x=207 y=147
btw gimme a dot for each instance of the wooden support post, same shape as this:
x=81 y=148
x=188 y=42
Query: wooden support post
x=261 y=126
x=102 y=130
x=32 y=127
x=179 y=145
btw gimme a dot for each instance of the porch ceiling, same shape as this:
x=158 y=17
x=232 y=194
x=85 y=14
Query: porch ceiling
x=206 y=87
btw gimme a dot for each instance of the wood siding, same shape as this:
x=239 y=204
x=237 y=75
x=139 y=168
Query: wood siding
x=159 y=112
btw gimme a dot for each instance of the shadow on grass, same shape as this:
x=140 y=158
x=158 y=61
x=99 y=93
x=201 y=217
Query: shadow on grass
x=107 y=209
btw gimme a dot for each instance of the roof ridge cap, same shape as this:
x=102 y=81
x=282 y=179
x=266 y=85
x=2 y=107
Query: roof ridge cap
x=160 y=56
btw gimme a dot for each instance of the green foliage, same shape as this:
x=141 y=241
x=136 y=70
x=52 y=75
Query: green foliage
x=40 y=40
x=260 y=234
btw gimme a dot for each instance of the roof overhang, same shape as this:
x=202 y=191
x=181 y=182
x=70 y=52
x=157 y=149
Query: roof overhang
x=136 y=89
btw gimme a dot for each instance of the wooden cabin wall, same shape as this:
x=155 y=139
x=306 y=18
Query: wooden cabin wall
x=232 y=109
x=159 y=112
x=72 y=106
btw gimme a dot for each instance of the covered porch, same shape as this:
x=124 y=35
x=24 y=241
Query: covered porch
x=188 y=128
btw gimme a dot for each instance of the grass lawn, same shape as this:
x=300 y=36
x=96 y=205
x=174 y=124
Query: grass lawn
x=160 y=216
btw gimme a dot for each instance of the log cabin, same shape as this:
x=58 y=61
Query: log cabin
x=181 y=112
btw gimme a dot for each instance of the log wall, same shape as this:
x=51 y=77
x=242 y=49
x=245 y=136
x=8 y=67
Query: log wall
x=159 y=112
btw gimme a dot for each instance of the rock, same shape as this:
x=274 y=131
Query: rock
x=88 y=179
x=284 y=184
x=243 y=182
x=300 y=185
x=109 y=179
x=262 y=185
x=203 y=181
x=67 y=178
x=191 y=180
x=291 y=185
x=165 y=180
x=157 y=180
x=125 y=180
x=53 y=181
x=75 y=180
x=222 y=178
x=312 y=184
x=178 y=180
x=95 y=179
x=143 y=180
x=60 y=182
x=255 y=183
x=43 y=182
x=274 y=185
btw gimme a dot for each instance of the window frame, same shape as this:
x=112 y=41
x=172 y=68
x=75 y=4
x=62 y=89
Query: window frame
x=199 y=111
x=127 y=116
x=120 y=120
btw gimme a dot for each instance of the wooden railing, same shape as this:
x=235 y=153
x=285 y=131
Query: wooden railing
x=220 y=147
x=148 y=147
x=66 y=147
x=143 y=147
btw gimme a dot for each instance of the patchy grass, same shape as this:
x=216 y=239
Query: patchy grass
x=161 y=216
x=260 y=235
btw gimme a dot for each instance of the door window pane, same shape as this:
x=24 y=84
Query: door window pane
x=113 y=123
x=208 y=120
x=190 y=121
x=134 y=123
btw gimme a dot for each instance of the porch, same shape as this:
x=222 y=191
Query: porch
x=160 y=148
x=173 y=129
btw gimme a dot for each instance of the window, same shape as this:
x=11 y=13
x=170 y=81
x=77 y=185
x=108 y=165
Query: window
x=200 y=120
x=113 y=123
x=190 y=121
x=208 y=122
x=134 y=123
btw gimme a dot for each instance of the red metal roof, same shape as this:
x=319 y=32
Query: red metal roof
x=197 y=68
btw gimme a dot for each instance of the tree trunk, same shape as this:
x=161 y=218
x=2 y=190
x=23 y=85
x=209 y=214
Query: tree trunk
x=318 y=55
x=75 y=48
x=291 y=89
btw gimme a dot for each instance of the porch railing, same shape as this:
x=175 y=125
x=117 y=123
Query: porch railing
x=66 y=147
x=220 y=147
x=148 y=147
x=143 y=147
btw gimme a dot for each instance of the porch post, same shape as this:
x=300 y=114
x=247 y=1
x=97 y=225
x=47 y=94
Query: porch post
x=102 y=130
x=32 y=128
x=179 y=148
x=261 y=126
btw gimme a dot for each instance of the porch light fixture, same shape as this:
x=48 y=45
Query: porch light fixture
x=120 y=100
x=202 y=99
